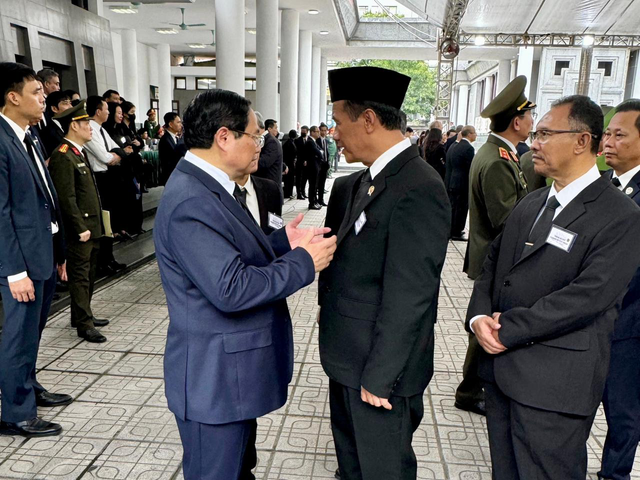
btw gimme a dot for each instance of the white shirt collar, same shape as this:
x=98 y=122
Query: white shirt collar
x=571 y=191
x=79 y=147
x=251 y=191
x=384 y=159
x=509 y=144
x=626 y=177
x=175 y=137
x=464 y=138
x=20 y=133
x=218 y=175
x=95 y=125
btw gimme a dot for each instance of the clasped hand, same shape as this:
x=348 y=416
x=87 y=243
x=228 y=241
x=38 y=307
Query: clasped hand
x=486 y=331
x=312 y=240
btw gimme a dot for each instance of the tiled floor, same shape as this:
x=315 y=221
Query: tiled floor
x=119 y=426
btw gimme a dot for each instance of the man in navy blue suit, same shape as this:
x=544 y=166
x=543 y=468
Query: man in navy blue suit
x=622 y=391
x=229 y=353
x=31 y=249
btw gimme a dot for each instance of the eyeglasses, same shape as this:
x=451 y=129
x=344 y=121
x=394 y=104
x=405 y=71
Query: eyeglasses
x=544 y=135
x=257 y=139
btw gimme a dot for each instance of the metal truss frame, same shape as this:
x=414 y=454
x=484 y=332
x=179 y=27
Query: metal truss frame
x=548 y=40
x=444 y=89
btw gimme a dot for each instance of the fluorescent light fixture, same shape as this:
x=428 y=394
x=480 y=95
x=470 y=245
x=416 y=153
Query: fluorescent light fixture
x=479 y=40
x=588 y=41
x=167 y=31
x=324 y=32
x=124 y=9
x=252 y=31
x=196 y=45
x=314 y=12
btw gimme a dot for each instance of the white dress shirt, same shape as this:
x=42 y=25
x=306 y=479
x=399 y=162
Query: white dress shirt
x=564 y=197
x=218 y=175
x=511 y=145
x=97 y=153
x=626 y=177
x=384 y=159
x=21 y=134
x=252 y=199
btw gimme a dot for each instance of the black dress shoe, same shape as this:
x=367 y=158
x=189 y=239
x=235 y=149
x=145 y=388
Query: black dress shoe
x=477 y=407
x=93 y=336
x=314 y=207
x=460 y=238
x=48 y=399
x=337 y=474
x=100 y=322
x=115 y=266
x=322 y=204
x=35 y=427
x=300 y=197
x=125 y=236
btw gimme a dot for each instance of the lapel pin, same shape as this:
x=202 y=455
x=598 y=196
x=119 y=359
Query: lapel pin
x=371 y=189
x=628 y=191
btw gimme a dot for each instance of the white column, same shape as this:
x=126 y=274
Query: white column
x=525 y=66
x=267 y=57
x=230 y=45
x=463 y=98
x=316 y=57
x=504 y=74
x=514 y=69
x=165 y=82
x=289 y=69
x=323 y=89
x=304 y=78
x=488 y=89
x=635 y=93
x=96 y=7
x=130 y=66
x=453 y=108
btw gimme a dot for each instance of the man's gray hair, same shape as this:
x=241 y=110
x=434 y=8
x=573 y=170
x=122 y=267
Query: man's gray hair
x=260 y=120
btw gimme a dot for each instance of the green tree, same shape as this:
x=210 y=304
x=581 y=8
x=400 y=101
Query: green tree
x=421 y=96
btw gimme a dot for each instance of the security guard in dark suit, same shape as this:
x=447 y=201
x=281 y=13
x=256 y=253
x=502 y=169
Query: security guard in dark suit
x=496 y=184
x=82 y=214
x=379 y=296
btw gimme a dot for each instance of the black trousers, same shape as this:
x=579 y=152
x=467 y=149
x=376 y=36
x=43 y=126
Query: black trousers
x=470 y=389
x=312 y=176
x=301 y=178
x=373 y=443
x=323 y=171
x=289 y=180
x=459 y=208
x=621 y=402
x=82 y=262
x=21 y=334
x=531 y=444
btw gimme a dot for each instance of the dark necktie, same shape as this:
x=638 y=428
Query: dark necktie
x=240 y=195
x=32 y=151
x=104 y=138
x=543 y=225
x=363 y=189
x=616 y=182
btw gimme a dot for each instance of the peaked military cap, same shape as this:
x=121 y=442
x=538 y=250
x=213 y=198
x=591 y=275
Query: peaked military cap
x=373 y=84
x=509 y=103
x=71 y=115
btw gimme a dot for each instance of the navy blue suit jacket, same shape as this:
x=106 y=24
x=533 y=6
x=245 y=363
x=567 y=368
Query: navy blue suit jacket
x=26 y=243
x=229 y=353
x=628 y=322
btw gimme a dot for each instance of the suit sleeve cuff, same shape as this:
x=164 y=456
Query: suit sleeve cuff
x=17 y=277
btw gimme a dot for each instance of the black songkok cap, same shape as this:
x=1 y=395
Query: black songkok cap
x=368 y=84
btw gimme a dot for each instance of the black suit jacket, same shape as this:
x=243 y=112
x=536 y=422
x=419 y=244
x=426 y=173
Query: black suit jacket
x=558 y=308
x=323 y=148
x=52 y=136
x=268 y=195
x=170 y=154
x=301 y=149
x=270 y=163
x=379 y=296
x=313 y=154
x=459 y=157
x=289 y=153
x=628 y=323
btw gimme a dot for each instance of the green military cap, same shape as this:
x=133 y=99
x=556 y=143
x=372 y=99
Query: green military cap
x=72 y=114
x=509 y=103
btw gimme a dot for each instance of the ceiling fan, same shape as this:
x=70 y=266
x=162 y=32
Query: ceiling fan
x=184 y=26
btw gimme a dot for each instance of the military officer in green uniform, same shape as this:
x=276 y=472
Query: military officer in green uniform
x=496 y=183
x=82 y=216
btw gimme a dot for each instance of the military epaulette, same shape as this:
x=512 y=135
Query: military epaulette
x=503 y=153
x=515 y=157
x=64 y=148
x=76 y=151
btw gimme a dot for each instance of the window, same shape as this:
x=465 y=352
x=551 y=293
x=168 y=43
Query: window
x=607 y=67
x=180 y=83
x=205 y=83
x=560 y=65
x=250 y=85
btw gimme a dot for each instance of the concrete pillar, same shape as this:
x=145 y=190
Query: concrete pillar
x=324 y=79
x=165 y=82
x=525 y=65
x=267 y=57
x=585 y=70
x=130 y=66
x=289 y=69
x=230 y=45
x=504 y=75
x=514 y=69
x=488 y=90
x=304 y=78
x=316 y=58
x=635 y=73
x=463 y=98
x=96 y=7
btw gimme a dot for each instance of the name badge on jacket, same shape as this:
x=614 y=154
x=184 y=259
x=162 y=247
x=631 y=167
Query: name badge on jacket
x=362 y=219
x=275 y=221
x=561 y=238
